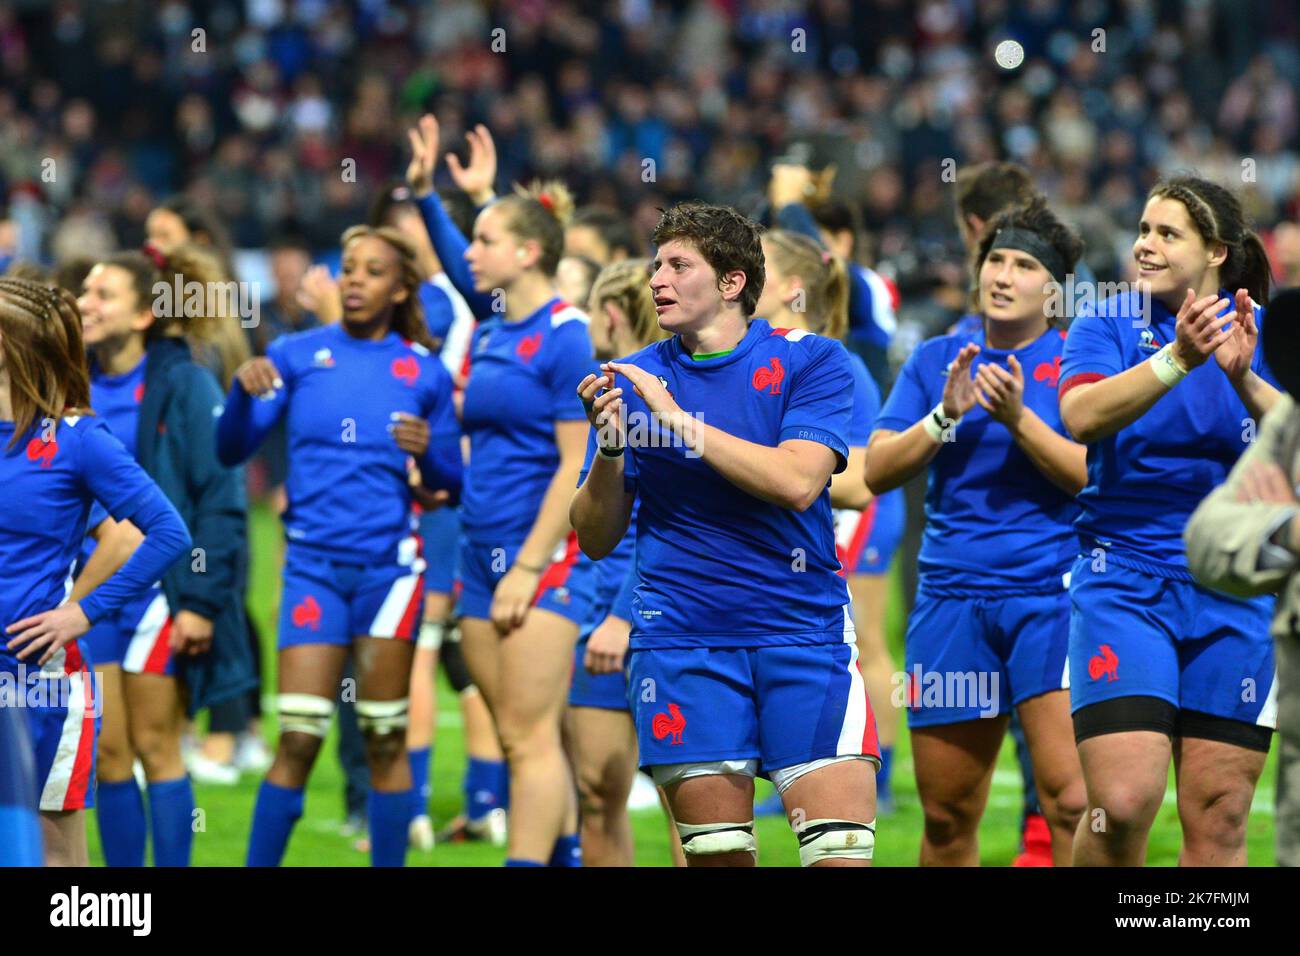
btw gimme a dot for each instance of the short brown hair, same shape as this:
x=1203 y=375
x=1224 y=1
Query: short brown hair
x=727 y=240
x=986 y=189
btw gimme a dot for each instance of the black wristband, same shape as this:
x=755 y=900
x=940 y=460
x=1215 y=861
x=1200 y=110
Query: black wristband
x=610 y=452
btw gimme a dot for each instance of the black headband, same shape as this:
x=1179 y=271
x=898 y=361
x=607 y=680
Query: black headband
x=1034 y=244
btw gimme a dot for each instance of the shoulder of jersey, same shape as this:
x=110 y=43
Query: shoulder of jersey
x=562 y=312
x=1120 y=305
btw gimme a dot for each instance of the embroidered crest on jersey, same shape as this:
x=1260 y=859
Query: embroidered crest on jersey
x=1049 y=372
x=323 y=358
x=42 y=451
x=1104 y=664
x=306 y=613
x=529 y=346
x=770 y=377
x=406 y=368
x=669 y=725
x=138 y=393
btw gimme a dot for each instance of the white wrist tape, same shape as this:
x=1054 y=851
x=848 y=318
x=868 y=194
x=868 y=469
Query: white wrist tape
x=1167 y=368
x=937 y=421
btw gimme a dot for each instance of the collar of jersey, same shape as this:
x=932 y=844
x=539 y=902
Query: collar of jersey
x=543 y=310
x=341 y=335
x=986 y=350
x=99 y=375
x=757 y=329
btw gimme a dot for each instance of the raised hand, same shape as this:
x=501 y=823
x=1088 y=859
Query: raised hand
x=1236 y=352
x=478 y=178
x=319 y=294
x=604 y=409
x=1001 y=393
x=959 y=389
x=1199 y=330
x=424 y=155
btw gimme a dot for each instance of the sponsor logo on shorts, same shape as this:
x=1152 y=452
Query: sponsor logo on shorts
x=306 y=613
x=1105 y=663
x=770 y=378
x=669 y=725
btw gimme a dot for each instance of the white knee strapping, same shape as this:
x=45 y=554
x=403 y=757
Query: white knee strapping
x=431 y=635
x=382 y=716
x=305 y=713
x=704 y=839
x=836 y=839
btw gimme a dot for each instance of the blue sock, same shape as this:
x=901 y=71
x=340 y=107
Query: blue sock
x=501 y=786
x=171 y=818
x=420 y=759
x=277 y=810
x=482 y=785
x=883 y=789
x=567 y=852
x=390 y=816
x=119 y=808
x=523 y=863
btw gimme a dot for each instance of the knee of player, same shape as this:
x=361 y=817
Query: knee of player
x=383 y=724
x=949 y=818
x=844 y=841
x=1220 y=813
x=1065 y=802
x=304 y=722
x=1124 y=809
x=701 y=840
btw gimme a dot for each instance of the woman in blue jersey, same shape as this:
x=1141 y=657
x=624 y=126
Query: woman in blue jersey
x=807 y=288
x=988 y=632
x=1160 y=666
x=742 y=650
x=451 y=324
x=142 y=380
x=56 y=459
x=525 y=591
x=868 y=535
x=365 y=401
x=602 y=739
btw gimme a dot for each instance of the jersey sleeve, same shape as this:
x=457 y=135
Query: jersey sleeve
x=440 y=465
x=570 y=361
x=1092 y=351
x=821 y=400
x=450 y=246
x=909 y=400
x=866 y=404
x=118 y=482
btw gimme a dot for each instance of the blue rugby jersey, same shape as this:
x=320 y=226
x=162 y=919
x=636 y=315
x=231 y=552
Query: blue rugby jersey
x=866 y=404
x=116 y=399
x=49 y=486
x=992 y=518
x=347 y=481
x=718 y=567
x=523 y=378
x=1145 y=481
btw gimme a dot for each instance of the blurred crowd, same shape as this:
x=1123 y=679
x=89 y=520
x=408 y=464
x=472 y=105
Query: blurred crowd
x=289 y=115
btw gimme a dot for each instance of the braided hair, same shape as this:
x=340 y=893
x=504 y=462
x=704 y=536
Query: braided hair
x=43 y=356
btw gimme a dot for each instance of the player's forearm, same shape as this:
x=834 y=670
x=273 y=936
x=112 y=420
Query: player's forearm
x=552 y=523
x=112 y=550
x=849 y=488
x=1257 y=395
x=599 y=510
x=775 y=475
x=1063 y=462
x=1097 y=410
x=894 y=458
